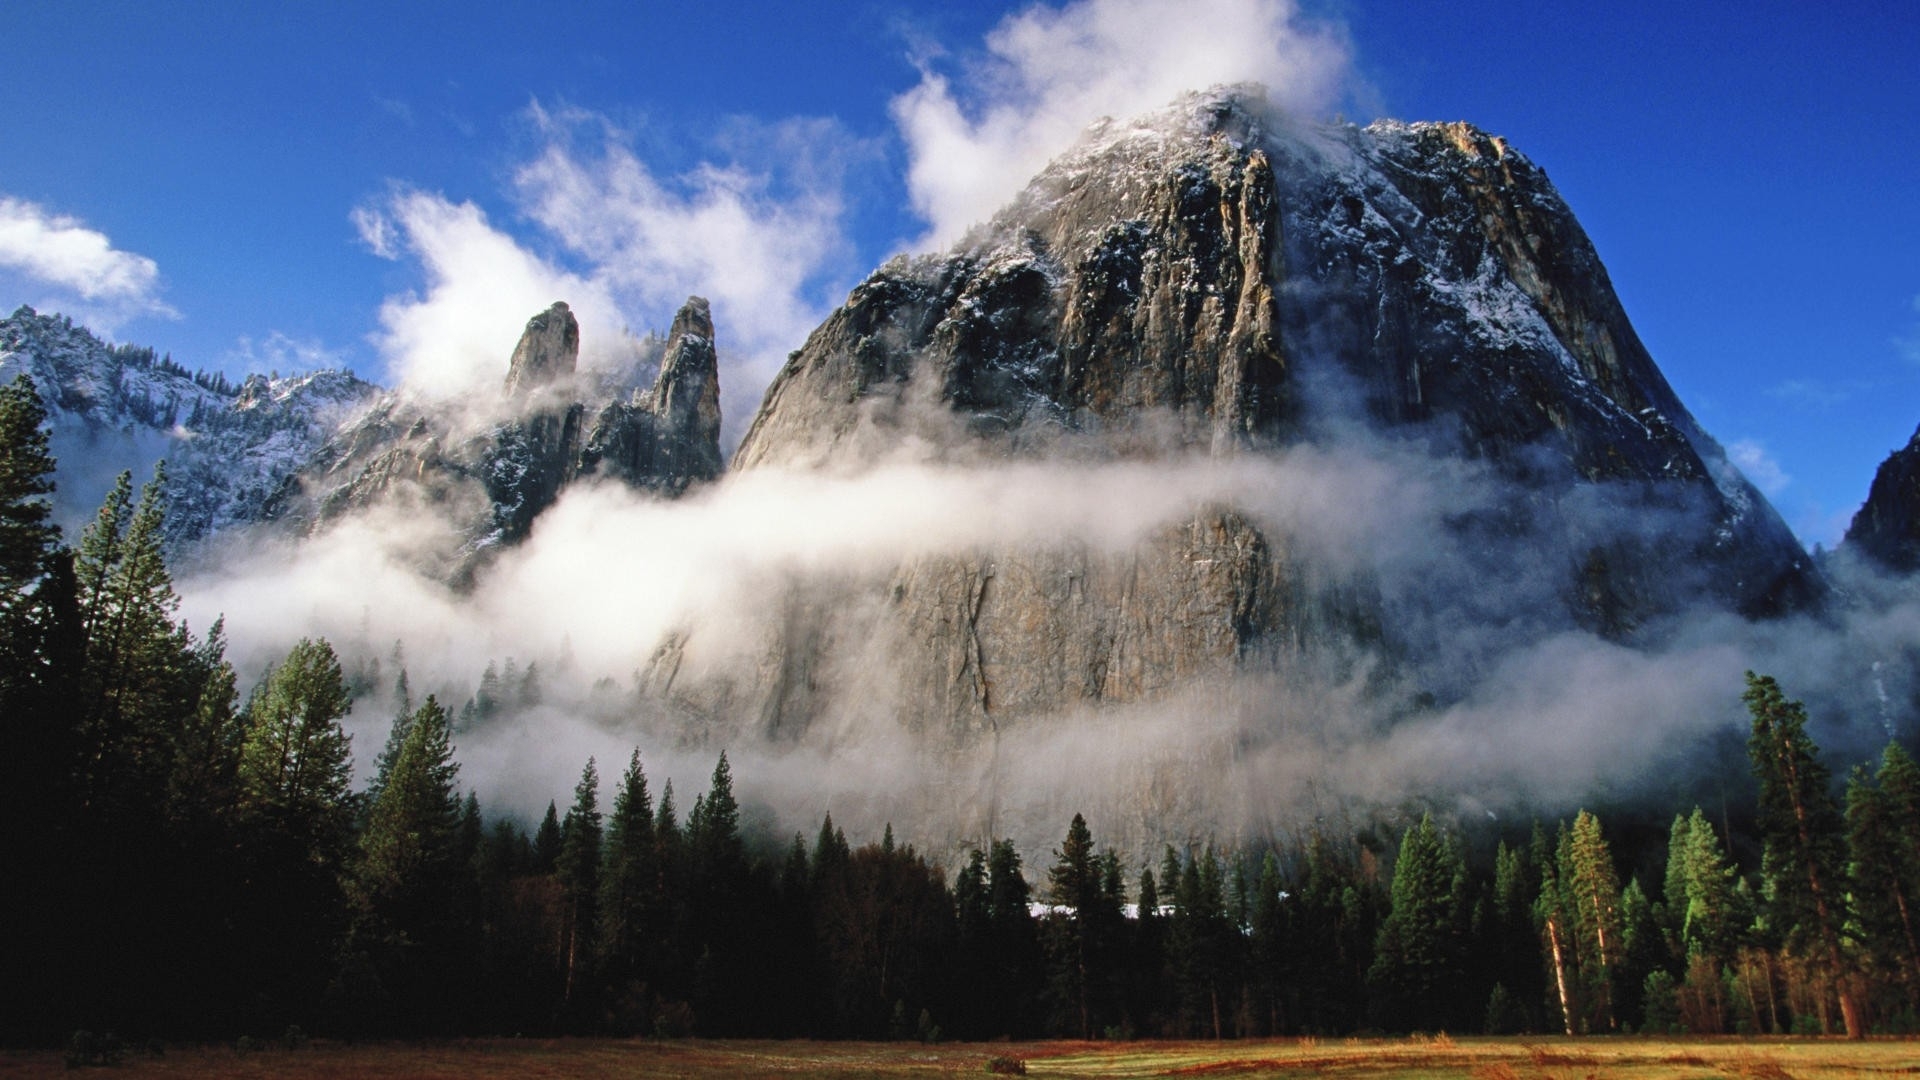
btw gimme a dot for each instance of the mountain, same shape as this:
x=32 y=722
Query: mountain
x=120 y=407
x=1887 y=526
x=1219 y=283
x=486 y=468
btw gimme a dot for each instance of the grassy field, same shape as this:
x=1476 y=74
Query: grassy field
x=1469 y=1059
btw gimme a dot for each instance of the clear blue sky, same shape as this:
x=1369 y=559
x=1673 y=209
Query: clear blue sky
x=250 y=185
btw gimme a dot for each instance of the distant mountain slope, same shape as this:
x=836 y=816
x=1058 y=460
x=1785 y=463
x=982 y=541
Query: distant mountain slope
x=1887 y=526
x=120 y=407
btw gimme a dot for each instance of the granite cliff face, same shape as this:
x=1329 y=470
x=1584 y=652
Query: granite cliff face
x=669 y=438
x=1887 y=526
x=1217 y=282
x=488 y=470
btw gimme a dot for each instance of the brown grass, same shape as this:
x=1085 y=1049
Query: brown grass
x=1352 y=1059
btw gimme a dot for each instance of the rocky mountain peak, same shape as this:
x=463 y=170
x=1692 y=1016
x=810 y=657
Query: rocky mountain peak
x=549 y=350
x=1220 y=280
x=669 y=438
x=689 y=384
x=1887 y=525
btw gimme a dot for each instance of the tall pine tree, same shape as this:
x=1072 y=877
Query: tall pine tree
x=1803 y=848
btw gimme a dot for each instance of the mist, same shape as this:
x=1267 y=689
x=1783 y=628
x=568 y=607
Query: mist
x=1479 y=697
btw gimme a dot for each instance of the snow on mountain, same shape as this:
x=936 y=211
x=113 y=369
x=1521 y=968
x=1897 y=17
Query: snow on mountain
x=114 y=408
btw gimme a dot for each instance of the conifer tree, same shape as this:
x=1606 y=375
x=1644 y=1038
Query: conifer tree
x=1701 y=896
x=408 y=879
x=1802 y=841
x=546 y=840
x=27 y=531
x=1418 y=965
x=628 y=872
x=1590 y=889
x=297 y=760
x=1883 y=851
x=579 y=872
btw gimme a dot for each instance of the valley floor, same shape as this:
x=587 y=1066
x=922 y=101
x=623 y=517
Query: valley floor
x=1358 y=1059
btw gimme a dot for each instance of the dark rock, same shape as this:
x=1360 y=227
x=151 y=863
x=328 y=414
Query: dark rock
x=669 y=438
x=1887 y=526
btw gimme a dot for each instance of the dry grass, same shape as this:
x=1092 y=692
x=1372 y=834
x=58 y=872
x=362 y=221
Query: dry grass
x=1352 y=1059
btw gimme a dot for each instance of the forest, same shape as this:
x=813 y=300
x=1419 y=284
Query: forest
x=186 y=864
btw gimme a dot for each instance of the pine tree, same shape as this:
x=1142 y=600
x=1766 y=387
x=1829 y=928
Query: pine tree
x=409 y=875
x=137 y=678
x=1591 y=890
x=1708 y=918
x=1083 y=943
x=546 y=841
x=1802 y=844
x=579 y=872
x=1883 y=851
x=27 y=531
x=297 y=761
x=628 y=872
x=1417 y=967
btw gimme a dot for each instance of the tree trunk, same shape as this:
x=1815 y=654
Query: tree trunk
x=1560 y=974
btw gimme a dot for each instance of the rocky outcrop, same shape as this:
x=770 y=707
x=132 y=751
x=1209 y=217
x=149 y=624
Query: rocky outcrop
x=668 y=438
x=548 y=351
x=1887 y=526
x=491 y=481
x=1221 y=281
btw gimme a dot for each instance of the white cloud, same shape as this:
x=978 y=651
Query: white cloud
x=754 y=241
x=282 y=353
x=482 y=286
x=1909 y=343
x=625 y=246
x=88 y=273
x=1759 y=466
x=974 y=142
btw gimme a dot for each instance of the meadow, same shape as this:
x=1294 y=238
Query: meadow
x=1356 y=1059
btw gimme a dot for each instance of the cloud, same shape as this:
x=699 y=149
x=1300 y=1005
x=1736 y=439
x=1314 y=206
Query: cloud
x=756 y=233
x=1908 y=344
x=974 y=140
x=1759 y=466
x=281 y=352
x=624 y=246
x=482 y=285
x=1815 y=393
x=60 y=252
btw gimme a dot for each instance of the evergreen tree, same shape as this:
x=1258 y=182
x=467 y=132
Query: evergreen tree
x=409 y=876
x=1016 y=959
x=1083 y=939
x=546 y=841
x=578 y=870
x=1802 y=840
x=1701 y=895
x=297 y=760
x=27 y=531
x=1417 y=967
x=628 y=874
x=1590 y=888
x=1883 y=851
x=1266 y=942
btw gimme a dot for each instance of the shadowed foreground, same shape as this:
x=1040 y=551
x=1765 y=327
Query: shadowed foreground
x=1476 y=1059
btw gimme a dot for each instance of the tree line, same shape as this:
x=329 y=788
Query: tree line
x=184 y=863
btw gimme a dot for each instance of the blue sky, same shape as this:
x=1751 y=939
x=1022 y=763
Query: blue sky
x=385 y=187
